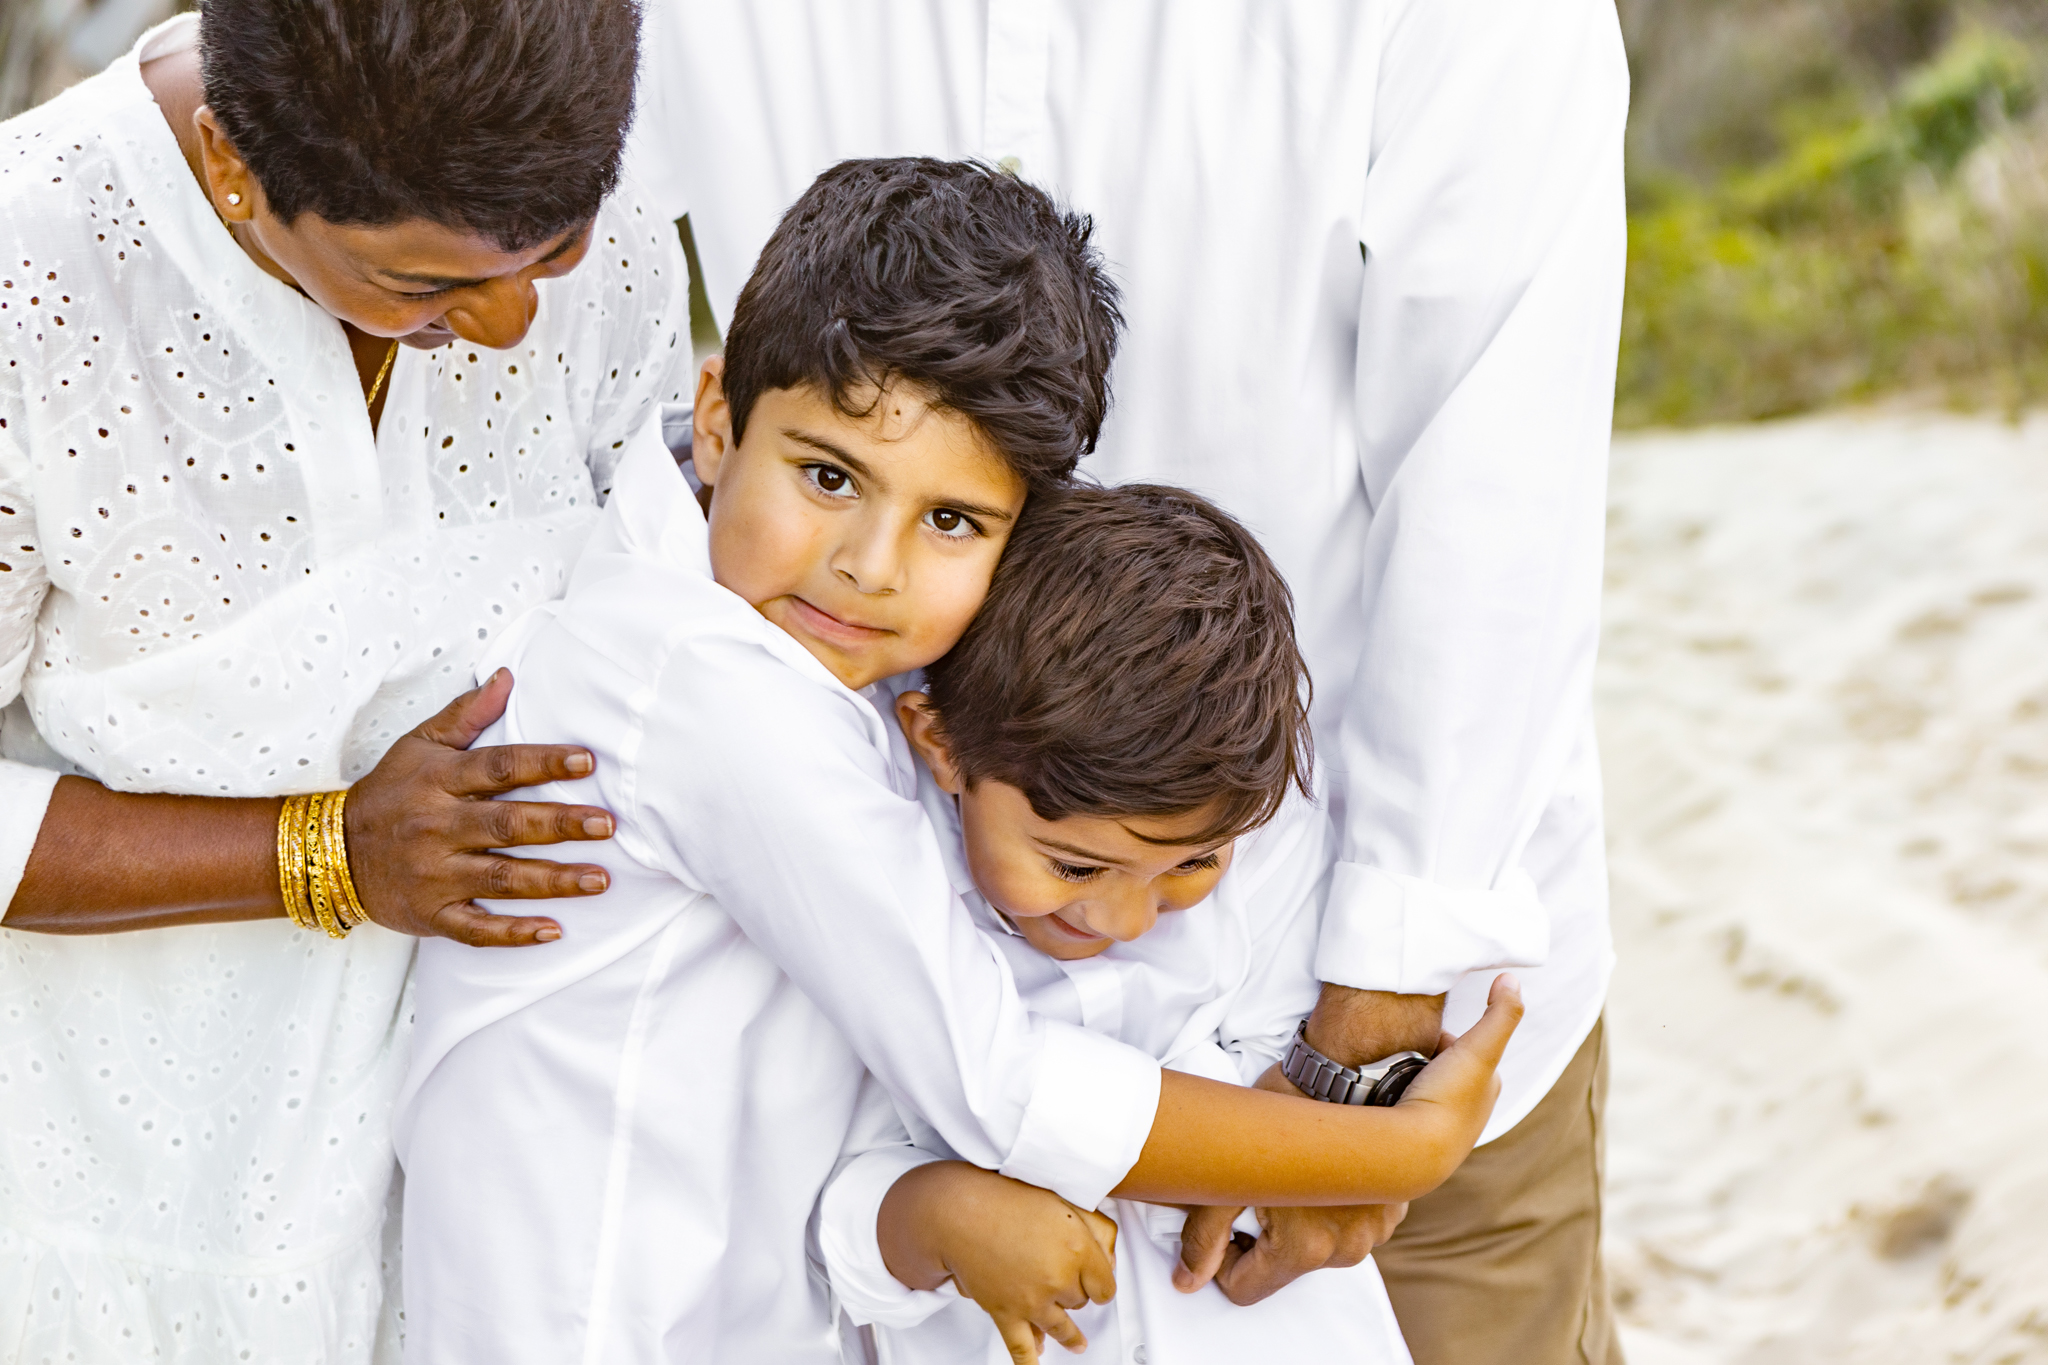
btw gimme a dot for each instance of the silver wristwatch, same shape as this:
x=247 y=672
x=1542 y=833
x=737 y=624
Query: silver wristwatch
x=1320 y=1078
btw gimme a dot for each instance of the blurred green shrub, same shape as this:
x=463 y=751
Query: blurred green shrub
x=1855 y=262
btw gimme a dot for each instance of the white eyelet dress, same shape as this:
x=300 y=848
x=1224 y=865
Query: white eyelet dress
x=214 y=580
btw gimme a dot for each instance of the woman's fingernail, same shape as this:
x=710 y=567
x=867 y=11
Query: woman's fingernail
x=591 y=881
x=548 y=935
x=578 y=764
x=598 y=827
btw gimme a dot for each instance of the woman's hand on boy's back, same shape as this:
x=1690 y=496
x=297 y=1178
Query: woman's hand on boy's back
x=1024 y=1254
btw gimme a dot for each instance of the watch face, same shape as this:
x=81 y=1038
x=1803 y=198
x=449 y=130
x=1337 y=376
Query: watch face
x=1391 y=1086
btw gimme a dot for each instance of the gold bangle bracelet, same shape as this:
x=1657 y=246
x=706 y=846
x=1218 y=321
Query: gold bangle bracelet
x=291 y=861
x=312 y=864
x=348 y=908
x=319 y=877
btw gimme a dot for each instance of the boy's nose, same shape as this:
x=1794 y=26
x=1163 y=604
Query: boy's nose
x=868 y=562
x=1124 y=917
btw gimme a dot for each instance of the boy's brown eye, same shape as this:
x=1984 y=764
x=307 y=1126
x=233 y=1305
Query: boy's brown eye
x=828 y=478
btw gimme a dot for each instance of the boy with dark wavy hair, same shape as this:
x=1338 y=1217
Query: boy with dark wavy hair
x=1116 y=758
x=614 y=1143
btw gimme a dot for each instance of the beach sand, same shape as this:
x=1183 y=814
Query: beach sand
x=1823 y=703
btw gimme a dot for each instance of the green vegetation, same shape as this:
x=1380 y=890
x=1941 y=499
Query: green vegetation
x=1857 y=241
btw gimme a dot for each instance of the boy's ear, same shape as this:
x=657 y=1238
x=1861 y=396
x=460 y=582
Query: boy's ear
x=711 y=437
x=921 y=727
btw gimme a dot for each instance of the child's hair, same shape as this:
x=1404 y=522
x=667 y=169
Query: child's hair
x=951 y=275
x=1136 y=656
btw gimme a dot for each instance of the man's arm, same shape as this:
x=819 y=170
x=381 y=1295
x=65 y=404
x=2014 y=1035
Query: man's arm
x=1495 y=242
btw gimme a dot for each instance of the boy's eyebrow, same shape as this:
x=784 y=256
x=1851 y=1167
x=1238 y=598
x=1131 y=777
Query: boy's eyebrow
x=825 y=447
x=1080 y=852
x=847 y=458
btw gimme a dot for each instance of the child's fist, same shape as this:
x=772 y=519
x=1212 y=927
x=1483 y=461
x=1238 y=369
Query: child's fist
x=1024 y=1254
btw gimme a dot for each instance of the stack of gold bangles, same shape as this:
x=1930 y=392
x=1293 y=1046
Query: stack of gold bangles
x=312 y=865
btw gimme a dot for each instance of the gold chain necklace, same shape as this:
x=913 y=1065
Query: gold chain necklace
x=390 y=356
x=378 y=386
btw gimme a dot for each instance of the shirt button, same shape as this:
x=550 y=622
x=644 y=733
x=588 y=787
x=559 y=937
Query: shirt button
x=1138 y=1355
x=1011 y=165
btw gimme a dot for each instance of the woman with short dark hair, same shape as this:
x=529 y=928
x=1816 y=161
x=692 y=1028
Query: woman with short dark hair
x=309 y=389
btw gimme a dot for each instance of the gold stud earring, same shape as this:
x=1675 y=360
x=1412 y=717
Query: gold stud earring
x=233 y=199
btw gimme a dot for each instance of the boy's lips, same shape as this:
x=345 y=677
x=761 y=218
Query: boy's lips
x=1070 y=931
x=828 y=627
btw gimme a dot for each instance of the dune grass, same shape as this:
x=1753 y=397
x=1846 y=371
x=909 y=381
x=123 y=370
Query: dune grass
x=1897 y=248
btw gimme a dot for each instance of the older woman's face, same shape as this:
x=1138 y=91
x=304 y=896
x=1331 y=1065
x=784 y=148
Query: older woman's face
x=420 y=281
x=417 y=280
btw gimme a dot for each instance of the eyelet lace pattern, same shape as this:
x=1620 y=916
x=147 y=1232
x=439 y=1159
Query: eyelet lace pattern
x=214 y=580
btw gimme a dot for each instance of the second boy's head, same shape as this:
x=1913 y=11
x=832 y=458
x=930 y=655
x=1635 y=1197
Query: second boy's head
x=921 y=344
x=1129 y=701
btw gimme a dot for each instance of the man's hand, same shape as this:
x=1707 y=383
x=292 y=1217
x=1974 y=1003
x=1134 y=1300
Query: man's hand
x=1354 y=1028
x=1291 y=1242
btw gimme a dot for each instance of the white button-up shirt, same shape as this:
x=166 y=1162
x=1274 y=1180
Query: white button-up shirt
x=649 y=1107
x=1214 y=990
x=1371 y=254
x=216 y=580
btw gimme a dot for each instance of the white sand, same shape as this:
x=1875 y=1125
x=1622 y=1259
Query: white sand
x=1824 y=710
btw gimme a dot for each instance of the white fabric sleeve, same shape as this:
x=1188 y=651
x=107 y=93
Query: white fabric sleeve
x=24 y=582
x=838 y=878
x=848 y=1215
x=1287 y=885
x=1495 y=239
x=24 y=799
x=877 y=1153
x=636 y=260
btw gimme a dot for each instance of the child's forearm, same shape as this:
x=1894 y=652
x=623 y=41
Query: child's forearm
x=1225 y=1144
x=905 y=1227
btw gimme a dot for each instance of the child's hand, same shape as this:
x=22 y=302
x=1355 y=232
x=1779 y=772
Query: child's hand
x=1459 y=1083
x=1024 y=1254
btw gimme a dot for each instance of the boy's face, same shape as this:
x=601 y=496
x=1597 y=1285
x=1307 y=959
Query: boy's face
x=1073 y=886
x=870 y=540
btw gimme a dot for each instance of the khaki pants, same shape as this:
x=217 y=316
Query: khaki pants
x=1501 y=1265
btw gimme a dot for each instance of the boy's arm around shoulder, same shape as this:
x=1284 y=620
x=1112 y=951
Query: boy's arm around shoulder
x=758 y=779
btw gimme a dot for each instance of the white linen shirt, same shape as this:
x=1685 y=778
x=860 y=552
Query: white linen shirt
x=647 y=1109
x=1371 y=254
x=214 y=580
x=1214 y=990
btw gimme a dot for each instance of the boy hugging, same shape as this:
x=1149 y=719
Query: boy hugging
x=902 y=986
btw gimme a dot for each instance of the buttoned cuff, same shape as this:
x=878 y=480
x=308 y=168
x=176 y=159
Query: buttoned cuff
x=847 y=1216
x=1386 y=932
x=24 y=798
x=1088 y=1118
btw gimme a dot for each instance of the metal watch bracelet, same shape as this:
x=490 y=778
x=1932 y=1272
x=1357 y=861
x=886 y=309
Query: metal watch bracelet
x=1379 y=1084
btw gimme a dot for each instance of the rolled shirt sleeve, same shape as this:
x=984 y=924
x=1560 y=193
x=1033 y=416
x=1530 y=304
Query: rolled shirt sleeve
x=1494 y=235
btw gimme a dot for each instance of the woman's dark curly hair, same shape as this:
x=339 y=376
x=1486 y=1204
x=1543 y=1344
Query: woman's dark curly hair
x=1135 y=656
x=951 y=275
x=502 y=118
